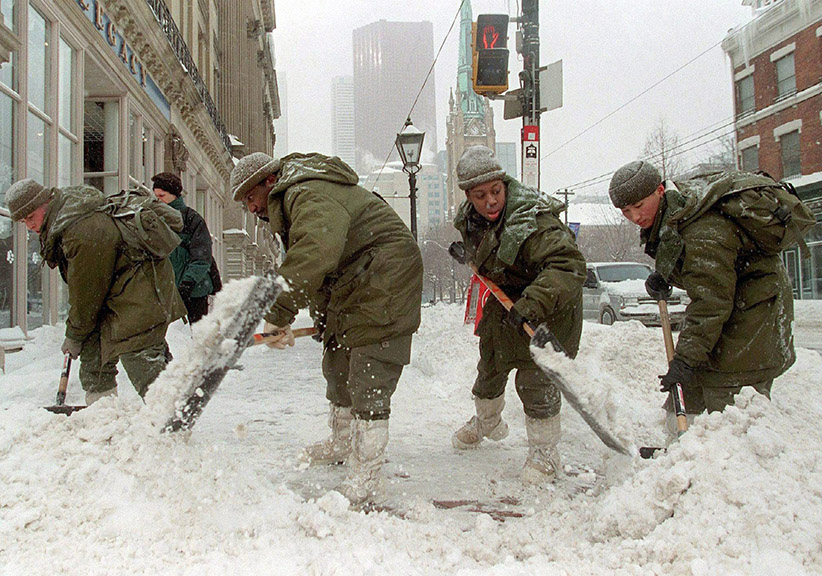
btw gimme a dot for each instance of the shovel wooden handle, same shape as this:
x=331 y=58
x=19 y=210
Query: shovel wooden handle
x=677 y=395
x=64 y=378
x=266 y=337
x=501 y=296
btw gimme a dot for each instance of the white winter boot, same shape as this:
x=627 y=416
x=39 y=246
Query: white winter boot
x=92 y=397
x=364 y=483
x=336 y=448
x=488 y=423
x=542 y=464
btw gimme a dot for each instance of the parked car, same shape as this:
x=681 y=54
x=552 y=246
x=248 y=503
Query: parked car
x=615 y=291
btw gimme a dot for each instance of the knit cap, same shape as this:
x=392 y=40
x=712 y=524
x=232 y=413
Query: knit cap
x=250 y=171
x=26 y=196
x=478 y=165
x=633 y=182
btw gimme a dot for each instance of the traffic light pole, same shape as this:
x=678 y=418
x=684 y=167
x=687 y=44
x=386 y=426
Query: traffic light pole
x=529 y=80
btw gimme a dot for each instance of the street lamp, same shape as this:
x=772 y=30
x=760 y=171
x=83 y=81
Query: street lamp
x=409 y=145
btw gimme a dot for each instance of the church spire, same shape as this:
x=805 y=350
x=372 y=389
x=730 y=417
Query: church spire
x=471 y=103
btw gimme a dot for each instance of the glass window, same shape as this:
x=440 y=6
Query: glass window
x=34 y=295
x=65 y=160
x=791 y=164
x=37 y=160
x=66 y=92
x=100 y=145
x=745 y=101
x=750 y=159
x=38 y=60
x=6 y=145
x=6 y=270
x=785 y=76
x=8 y=9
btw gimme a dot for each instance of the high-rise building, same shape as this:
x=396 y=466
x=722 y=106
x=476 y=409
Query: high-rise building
x=391 y=62
x=342 y=119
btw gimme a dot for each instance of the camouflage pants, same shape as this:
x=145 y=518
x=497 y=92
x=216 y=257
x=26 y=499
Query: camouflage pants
x=142 y=366
x=365 y=377
x=540 y=396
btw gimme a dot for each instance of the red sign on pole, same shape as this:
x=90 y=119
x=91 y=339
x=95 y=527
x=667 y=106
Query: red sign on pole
x=477 y=295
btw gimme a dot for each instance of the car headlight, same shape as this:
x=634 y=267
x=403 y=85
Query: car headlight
x=625 y=302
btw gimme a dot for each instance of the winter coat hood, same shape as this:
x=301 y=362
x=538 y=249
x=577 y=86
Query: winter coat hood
x=296 y=168
x=67 y=206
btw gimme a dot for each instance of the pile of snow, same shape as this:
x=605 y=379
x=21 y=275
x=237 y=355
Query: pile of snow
x=104 y=492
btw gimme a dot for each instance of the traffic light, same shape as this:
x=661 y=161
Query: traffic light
x=490 y=55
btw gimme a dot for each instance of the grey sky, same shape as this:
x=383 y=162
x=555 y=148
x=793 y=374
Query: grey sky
x=612 y=50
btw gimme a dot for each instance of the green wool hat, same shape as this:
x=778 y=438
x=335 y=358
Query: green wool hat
x=633 y=182
x=25 y=196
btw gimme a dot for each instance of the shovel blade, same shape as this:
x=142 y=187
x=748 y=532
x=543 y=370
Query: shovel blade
x=64 y=409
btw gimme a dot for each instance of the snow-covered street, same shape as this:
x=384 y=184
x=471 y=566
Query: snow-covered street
x=104 y=492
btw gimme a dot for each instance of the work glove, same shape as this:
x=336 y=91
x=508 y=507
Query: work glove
x=516 y=320
x=71 y=347
x=283 y=336
x=657 y=287
x=457 y=252
x=678 y=373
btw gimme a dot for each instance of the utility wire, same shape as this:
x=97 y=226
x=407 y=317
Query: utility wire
x=424 y=82
x=604 y=118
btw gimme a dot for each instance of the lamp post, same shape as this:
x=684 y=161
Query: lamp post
x=409 y=145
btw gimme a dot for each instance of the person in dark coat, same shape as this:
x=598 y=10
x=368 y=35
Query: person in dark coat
x=354 y=263
x=738 y=324
x=192 y=258
x=119 y=308
x=514 y=237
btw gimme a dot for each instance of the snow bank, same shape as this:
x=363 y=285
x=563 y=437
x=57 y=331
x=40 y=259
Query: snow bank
x=103 y=492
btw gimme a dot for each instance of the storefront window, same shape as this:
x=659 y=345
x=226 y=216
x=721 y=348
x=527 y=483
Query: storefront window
x=7 y=8
x=38 y=59
x=6 y=270
x=6 y=145
x=37 y=165
x=34 y=297
x=100 y=145
x=66 y=93
x=65 y=161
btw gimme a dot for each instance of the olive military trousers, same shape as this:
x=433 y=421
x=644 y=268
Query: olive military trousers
x=142 y=366
x=365 y=377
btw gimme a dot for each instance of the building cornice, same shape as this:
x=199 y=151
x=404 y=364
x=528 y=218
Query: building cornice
x=137 y=22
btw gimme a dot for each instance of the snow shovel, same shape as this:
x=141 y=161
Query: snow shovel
x=677 y=397
x=539 y=338
x=203 y=379
x=60 y=404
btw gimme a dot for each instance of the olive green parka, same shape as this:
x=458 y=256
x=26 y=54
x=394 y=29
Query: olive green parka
x=533 y=257
x=738 y=324
x=349 y=256
x=130 y=303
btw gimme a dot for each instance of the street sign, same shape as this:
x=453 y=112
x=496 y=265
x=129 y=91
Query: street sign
x=550 y=86
x=530 y=156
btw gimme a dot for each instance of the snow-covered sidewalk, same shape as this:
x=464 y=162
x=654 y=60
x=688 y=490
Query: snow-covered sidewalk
x=104 y=492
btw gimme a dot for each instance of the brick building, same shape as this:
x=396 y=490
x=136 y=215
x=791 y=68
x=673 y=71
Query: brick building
x=777 y=74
